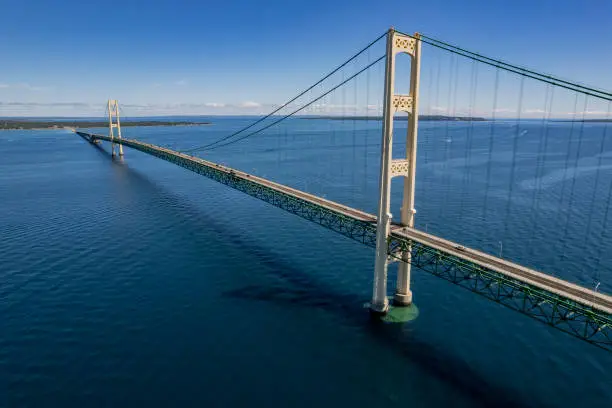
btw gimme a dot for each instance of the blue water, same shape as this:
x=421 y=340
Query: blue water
x=136 y=282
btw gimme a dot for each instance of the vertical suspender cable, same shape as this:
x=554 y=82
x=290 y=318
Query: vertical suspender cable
x=491 y=140
x=538 y=174
x=517 y=135
x=588 y=238
x=575 y=176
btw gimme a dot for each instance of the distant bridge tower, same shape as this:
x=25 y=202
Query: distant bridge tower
x=405 y=167
x=113 y=112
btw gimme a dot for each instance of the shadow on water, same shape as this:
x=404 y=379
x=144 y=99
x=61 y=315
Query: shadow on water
x=431 y=359
x=306 y=292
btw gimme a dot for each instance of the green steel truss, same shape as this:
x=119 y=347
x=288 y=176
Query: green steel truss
x=567 y=315
x=557 y=311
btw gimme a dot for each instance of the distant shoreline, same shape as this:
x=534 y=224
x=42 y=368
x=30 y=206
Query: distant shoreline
x=584 y=120
x=442 y=118
x=421 y=117
x=54 y=125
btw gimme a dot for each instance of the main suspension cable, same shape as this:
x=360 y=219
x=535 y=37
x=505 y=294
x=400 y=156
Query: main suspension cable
x=605 y=95
x=295 y=111
x=339 y=67
x=547 y=76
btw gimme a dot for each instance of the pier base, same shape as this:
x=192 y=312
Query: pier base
x=378 y=309
x=401 y=314
x=402 y=299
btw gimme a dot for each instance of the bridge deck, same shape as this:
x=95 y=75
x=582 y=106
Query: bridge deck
x=598 y=305
x=547 y=282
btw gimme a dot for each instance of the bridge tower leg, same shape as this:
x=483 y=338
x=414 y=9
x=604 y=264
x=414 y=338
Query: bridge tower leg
x=113 y=112
x=396 y=44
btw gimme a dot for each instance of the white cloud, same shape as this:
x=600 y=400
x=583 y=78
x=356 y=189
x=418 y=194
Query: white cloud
x=335 y=106
x=214 y=105
x=26 y=86
x=181 y=82
x=153 y=109
x=588 y=112
x=439 y=108
x=188 y=106
x=32 y=88
x=249 y=104
x=49 y=109
x=52 y=104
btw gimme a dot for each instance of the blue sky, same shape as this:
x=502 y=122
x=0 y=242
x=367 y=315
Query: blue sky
x=173 y=57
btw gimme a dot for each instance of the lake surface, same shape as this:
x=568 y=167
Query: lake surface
x=138 y=283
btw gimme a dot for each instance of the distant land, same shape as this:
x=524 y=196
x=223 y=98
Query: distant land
x=11 y=124
x=403 y=117
x=585 y=120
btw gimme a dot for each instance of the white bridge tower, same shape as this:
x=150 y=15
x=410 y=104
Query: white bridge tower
x=406 y=167
x=113 y=112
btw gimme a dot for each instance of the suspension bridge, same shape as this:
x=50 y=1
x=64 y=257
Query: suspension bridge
x=582 y=311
